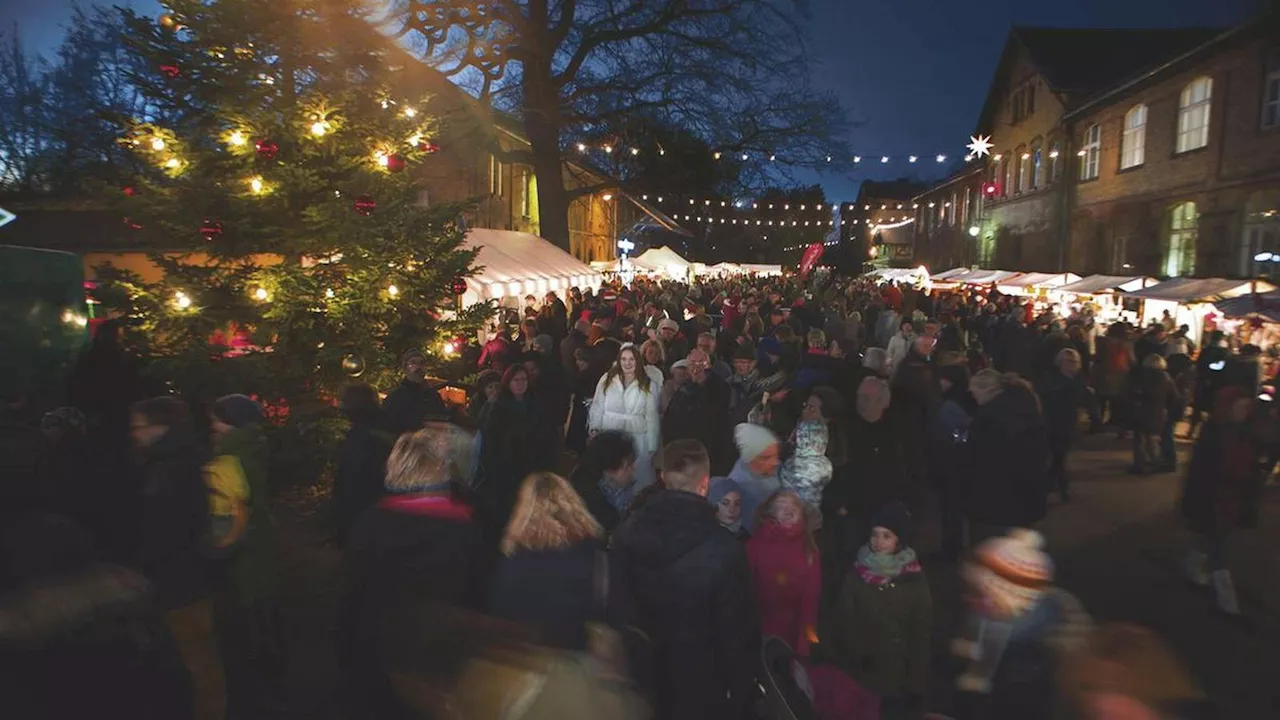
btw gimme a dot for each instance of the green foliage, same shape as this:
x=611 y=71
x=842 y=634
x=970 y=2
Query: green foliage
x=266 y=124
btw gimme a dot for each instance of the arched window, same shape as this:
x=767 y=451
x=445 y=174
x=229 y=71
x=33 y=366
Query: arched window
x=1193 y=114
x=1180 y=257
x=1024 y=170
x=1037 y=167
x=1133 y=142
x=1090 y=152
x=1055 y=167
x=1007 y=189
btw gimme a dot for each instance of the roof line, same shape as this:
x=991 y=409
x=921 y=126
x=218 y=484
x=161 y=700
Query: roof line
x=1118 y=89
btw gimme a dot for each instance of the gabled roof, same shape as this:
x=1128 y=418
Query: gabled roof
x=1078 y=63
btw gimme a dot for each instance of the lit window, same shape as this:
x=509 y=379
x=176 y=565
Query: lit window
x=1055 y=164
x=1037 y=168
x=1024 y=171
x=1008 y=177
x=1271 y=92
x=526 y=196
x=1180 y=259
x=1090 y=151
x=1134 y=140
x=1193 y=114
x=951 y=210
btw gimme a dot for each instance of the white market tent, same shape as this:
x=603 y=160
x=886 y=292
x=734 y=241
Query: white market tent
x=515 y=264
x=725 y=268
x=986 y=277
x=1098 y=284
x=606 y=266
x=1189 y=300
x=1033 y=281
x=916 y=274
x=949 y=275
x=758 y=269
x=1192 y=290
x=662 y=260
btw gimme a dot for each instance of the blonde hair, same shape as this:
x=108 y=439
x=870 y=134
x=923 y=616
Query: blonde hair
x=1155 y=362
x=549 y=515
x=662 y=350
x=1127 y=660
x=767 y=512
x=428 y=458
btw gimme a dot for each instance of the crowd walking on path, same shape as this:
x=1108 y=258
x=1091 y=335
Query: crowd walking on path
x=750 y=462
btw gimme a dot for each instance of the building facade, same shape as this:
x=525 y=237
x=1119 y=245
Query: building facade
x=876 y=229
x=947 y=227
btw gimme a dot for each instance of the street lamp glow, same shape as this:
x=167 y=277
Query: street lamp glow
x=974 y=230
x=1262 y=257
x=157 y=144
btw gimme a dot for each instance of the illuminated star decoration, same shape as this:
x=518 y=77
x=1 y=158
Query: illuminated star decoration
x=979 y=145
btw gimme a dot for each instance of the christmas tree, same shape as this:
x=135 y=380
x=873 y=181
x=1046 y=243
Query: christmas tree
x=279 y=151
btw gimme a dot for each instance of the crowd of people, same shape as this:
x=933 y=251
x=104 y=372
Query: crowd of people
x=664 y=500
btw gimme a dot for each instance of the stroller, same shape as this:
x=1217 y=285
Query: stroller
x=785 y=684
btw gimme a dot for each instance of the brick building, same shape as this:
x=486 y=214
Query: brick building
x=1177 y=171
x=947 y=217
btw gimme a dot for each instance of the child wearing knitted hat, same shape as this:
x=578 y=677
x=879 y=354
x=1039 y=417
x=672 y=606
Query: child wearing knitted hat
x=1018 y=629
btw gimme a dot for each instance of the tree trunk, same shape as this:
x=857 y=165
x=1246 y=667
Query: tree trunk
x=541 y=124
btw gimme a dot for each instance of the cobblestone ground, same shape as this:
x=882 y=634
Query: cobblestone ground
x=1118 y=545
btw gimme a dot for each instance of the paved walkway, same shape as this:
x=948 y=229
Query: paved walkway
x=1119 y=545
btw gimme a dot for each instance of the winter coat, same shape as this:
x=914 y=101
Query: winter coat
x=361 y=471
x=252 y=567
x=1061 y=399
x=90 y=644
x=1111 y=370
x=411 y=404
x=875 y=474
x=899 y=344
x=587 y=483
x=809 y=470
x=630 y=409
x=174 y=522
x=755 y=490
x=1010 y=450
x=697 y=412
x=553 y=592
x=1154 y=395
x=409 y=559
x=517 y=440
x=882 y=632
x=681 y=579
x=1224 y=480
x=788 y=583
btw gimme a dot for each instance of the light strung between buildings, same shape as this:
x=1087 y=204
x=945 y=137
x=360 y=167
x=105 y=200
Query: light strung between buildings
x=746 y=155
x=891 y=225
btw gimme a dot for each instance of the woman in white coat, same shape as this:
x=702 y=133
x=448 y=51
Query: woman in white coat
x=626 y=399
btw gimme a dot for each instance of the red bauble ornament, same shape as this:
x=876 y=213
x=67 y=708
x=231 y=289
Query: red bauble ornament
x=171 y=70
x=429 y=147
x=211 y=230
x=395 y=163
x=459 y=285
x=365 y=205
x=129 y=190
x=267 y=148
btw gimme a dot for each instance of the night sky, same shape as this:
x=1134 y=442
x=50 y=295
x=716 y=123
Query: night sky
x=912 y=73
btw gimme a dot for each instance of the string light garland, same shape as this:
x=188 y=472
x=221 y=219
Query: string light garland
x=746 y=155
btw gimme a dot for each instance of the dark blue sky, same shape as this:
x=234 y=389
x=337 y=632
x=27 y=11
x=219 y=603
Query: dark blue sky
x=912 y=73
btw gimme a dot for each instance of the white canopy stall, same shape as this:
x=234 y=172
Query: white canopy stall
x=949 y=274
x=764 y=270
x=986 y=277
x=662 y=261
x=515 y=264
x=1189 y=300
x=1103 y=291
x=1034 y=283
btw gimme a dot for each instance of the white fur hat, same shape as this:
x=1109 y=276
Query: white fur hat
x=1012 y=572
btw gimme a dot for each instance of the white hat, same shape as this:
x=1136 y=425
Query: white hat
x=1012 y=572
x=753 y=439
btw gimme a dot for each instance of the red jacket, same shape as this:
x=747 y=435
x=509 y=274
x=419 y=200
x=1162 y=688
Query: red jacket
x=788 y=581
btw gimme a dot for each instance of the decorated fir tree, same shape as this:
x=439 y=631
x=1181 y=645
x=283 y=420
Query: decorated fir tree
x=279 y=154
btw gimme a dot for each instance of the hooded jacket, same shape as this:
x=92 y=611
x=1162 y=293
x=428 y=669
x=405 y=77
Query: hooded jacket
x=809 y=470
x=683 y=581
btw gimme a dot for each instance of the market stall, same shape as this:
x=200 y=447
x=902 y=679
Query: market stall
x=986 y=277
x=1104 y=294
x=515 y=264
x=1252 y=319
x=913 y=276
x=762 y=270
x=1189 y=301
x=949 y=274
x=1035 y=283
x=662 y=261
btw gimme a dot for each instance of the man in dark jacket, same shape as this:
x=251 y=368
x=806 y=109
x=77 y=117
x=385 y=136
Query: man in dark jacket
x=414 y=400
x=697 y=412
x=684 y=582
x=1062 y=395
